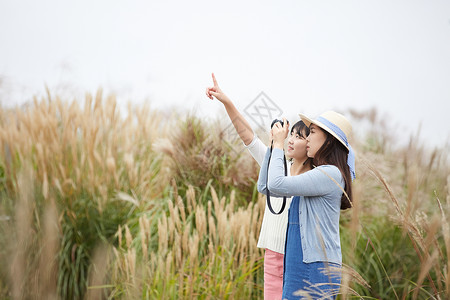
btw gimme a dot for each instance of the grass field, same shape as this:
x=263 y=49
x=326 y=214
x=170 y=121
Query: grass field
x=99 y=204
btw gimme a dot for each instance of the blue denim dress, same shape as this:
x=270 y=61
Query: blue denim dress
x=309 y=277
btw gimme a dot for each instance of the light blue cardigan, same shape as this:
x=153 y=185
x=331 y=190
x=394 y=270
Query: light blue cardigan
x=319 y=207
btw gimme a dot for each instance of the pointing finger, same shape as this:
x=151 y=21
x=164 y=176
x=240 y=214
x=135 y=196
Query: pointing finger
x=214 y=80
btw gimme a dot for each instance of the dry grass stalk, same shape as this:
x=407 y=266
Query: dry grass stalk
x=446 y=234
x=128 y=237
x=200 y=220
x=143 y=235
x=412 y=229
x=185 y=238
x=190 y=195
x=424 y=271
x=163 y=238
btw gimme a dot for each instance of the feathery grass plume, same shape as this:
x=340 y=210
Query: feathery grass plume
x=200 y=220
x=163 y=237
x=143 y=236
x=181 y=207
x=176 y=218
x=193 y=248
x=209 y=209
x=171 y=229
x=190 y=195
x=147 y=228
x=345 y=285
x=131 y=263
x=215 y=199
x=177 y=248
x=185 y=238
x=128 y=237
x=169 y=266
x=119 y=236
x=172 y=213
x=212 y=230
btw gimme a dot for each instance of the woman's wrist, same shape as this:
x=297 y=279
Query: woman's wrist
x=226 y=101
x=278 y=144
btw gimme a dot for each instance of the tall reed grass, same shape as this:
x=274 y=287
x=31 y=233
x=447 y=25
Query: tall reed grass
x=197 y=252
x=97 y=203
x=83 y=159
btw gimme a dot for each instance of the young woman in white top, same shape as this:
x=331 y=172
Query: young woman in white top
x=272 y=236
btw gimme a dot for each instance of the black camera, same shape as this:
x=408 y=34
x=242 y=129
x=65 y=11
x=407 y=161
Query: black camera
x=277 y=120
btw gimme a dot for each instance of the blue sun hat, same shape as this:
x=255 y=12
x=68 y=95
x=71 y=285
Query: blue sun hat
x=339 y=127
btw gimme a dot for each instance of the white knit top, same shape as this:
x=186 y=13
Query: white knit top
x=273 y=228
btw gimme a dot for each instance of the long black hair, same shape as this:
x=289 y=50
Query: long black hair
x=333 y=152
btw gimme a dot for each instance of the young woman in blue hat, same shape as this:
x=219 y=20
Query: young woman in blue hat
x=313 y=256
x=273 y=228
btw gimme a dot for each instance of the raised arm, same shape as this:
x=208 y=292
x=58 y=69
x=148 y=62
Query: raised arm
x=239 y=122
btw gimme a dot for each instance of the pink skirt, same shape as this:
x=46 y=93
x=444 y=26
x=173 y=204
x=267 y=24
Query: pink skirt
x=273 y=275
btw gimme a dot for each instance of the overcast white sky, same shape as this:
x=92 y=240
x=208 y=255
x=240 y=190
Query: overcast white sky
x=307 y=56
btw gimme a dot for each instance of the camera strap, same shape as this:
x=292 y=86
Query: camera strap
x=267 y=189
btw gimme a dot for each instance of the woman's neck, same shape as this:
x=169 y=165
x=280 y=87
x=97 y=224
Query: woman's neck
x=299 y=167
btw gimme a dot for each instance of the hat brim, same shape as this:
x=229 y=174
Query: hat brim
x=309 y=121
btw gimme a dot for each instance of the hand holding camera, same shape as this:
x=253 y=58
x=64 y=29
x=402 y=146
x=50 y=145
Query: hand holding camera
x=277 y=121
x=279 y=132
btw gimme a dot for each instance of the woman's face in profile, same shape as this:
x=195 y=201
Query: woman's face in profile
x=315 y=140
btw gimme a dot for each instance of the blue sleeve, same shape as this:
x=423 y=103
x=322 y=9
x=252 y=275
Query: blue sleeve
x=262 y=179
x=320 y=181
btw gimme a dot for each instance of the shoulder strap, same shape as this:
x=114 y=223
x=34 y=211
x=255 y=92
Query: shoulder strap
x=267 y=189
